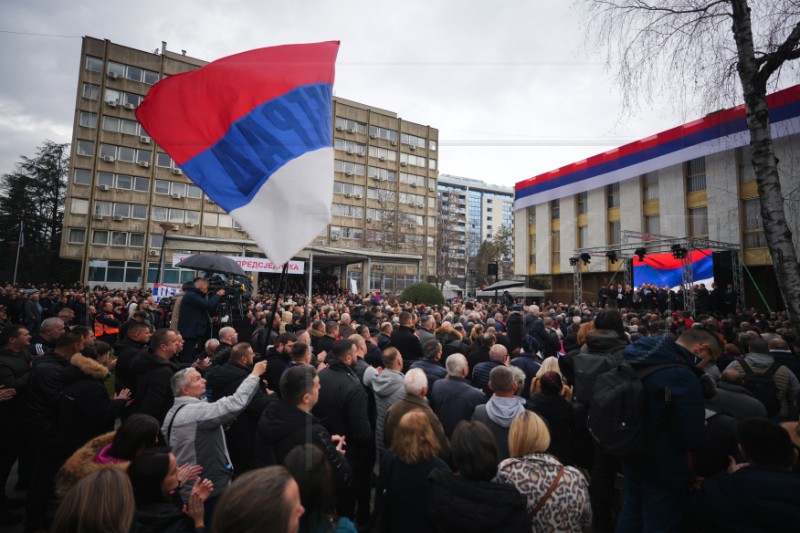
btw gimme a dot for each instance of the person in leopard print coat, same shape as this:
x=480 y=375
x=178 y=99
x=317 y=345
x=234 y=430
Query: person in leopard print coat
x=558 y=495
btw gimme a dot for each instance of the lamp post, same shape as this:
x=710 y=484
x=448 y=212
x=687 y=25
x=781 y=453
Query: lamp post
x=167 y=227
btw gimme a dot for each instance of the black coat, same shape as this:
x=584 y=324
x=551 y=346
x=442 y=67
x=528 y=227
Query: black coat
x=407 y=343
x=153 y=390
x=557 y=412
x=453 y=400
x=15 y=371
x=461 y=506
x=86 y=409
x=478 y=355
x=161 y=518
x=342 y=407
x=283 y=426
x=276 y=364
x=193 y=316
x=241 y=434
x=126 y=351
x=46 y=386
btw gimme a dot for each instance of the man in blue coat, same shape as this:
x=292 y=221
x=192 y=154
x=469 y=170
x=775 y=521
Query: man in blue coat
x=195 y=315
x=657 y=482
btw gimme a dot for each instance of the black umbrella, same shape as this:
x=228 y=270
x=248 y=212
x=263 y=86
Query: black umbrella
x=212 y=263
x=503 y=284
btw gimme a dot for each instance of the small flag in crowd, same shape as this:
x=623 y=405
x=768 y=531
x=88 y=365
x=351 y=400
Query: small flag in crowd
x=254 y=131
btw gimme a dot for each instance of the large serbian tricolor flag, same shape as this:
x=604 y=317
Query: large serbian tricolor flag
x=664 y=270
x=253 y=130
x=717 y=132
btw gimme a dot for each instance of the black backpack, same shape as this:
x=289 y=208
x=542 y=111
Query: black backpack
x=762 y=386
x=587 y=367
x=619 y=409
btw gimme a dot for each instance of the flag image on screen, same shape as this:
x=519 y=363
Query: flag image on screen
x=254 y=132
x=664 y=270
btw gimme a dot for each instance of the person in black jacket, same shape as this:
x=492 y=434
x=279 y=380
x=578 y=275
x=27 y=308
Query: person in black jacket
x=194 y=316
x=406 y=341
x=470 y=501
x=278 y=358
x=343 y=411
x=285 y=422
x=126 y=351
x=154 y=370
x=557 y=412
x=240 y=435
x=86 y=410
x=46 y=387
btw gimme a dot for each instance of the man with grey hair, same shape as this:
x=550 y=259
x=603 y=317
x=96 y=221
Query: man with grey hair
x=194 y=428
x=427 y=325
x=45 y=340
x=501 y=409
x=534 y=326
x=453 y=399
x=416 y=387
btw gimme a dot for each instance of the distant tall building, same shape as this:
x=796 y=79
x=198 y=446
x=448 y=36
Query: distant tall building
x=124 y=190
x=472 y=211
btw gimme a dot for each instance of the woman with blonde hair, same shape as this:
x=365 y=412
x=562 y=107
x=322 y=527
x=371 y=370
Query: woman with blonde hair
x=475 y=334
x=101 y=502
x=403 y=479
x=550 y=365
x=558 y=495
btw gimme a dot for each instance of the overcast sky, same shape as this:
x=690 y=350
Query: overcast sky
x=508 y=84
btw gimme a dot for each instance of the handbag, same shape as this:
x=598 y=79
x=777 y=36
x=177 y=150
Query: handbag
x=547 y=494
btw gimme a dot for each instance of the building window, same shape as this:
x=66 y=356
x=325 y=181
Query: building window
x=382 y=153
x=139 y=211
x=348 y=168
x=94 y=64
x=532 y=216
x=433 y=145
x=88 y=120
x=614 y=232
x=350 y=126
x=76 y=236
x=650 y=186
x=583 y=237
x=555 y=247
x=161 y=187
x=79 y=206
x=91 y=91
x=136 y=240
x=698 y=222
x=753 y=224
x=210 y=219
x=379 y=133
x=412 y=140
x=121 y=125
x=555 y=209
x=100 y=237
x=85 y=148
x=119 y=238
x=193 y=191
x=532 y=248
x=432 y=164
x=412 y=160
x=348 y=146
x=612 y=192
x=745 y=161
x=141 y=184
x=652 y=224
x=696 y=174
x=159 y=214
x=82 y=177
x=583 y=203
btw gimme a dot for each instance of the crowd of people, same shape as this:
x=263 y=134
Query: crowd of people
x=363 y=413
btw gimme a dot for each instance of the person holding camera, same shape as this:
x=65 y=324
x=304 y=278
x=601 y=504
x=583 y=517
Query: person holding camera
x=107 y=323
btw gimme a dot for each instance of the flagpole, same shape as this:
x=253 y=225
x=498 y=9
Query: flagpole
x=16 y=264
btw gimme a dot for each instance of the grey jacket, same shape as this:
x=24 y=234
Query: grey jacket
x=197 y=435
x=388 y=388
x=786 y=382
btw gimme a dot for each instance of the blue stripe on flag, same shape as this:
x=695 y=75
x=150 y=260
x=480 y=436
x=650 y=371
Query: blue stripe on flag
x=233 y=170
x=702 y=269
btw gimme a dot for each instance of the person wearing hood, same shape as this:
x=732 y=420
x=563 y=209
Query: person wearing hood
x=415 y=385
x=502 y=407
x=224 y=382
x=86 y=410
x=286 y=421
x=388 y=389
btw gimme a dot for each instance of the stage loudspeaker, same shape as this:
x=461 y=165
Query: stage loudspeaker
x=723 y=268
x=491 y=269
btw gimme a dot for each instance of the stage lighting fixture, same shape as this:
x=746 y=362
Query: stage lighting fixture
x=640 y=253
x=678 y=251
x=586 y=258
x=574 y=261
x=612 y=256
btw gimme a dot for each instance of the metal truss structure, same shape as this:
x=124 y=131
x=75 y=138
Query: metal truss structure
x=653 y=243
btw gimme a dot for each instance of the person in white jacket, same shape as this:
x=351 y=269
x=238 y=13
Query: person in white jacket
x=194 y=428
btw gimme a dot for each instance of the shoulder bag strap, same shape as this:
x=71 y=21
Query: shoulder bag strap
x=547 y=494
x=745 y=366
x=169 y=428
x=770 y=372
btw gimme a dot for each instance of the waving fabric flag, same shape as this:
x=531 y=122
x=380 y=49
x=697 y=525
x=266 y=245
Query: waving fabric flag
x=666 y=271
x=254 y=131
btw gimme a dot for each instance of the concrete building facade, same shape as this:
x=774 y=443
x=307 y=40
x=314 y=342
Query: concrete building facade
x=692 y=181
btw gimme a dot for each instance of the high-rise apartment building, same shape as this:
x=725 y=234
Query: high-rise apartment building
x=472 y=211
x=123 y=190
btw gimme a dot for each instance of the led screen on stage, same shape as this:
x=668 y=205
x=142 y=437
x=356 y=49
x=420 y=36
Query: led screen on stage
x=664 y=270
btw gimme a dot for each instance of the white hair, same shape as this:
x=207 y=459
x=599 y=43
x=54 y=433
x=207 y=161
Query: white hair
x=415 y=381
x=226 y=332
x=497 y=352
x=456 y=364
x=533 y=310
x=180 y=380
x=212 y=342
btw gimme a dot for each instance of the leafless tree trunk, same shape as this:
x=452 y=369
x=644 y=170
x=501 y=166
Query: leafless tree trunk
x=709 y=52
